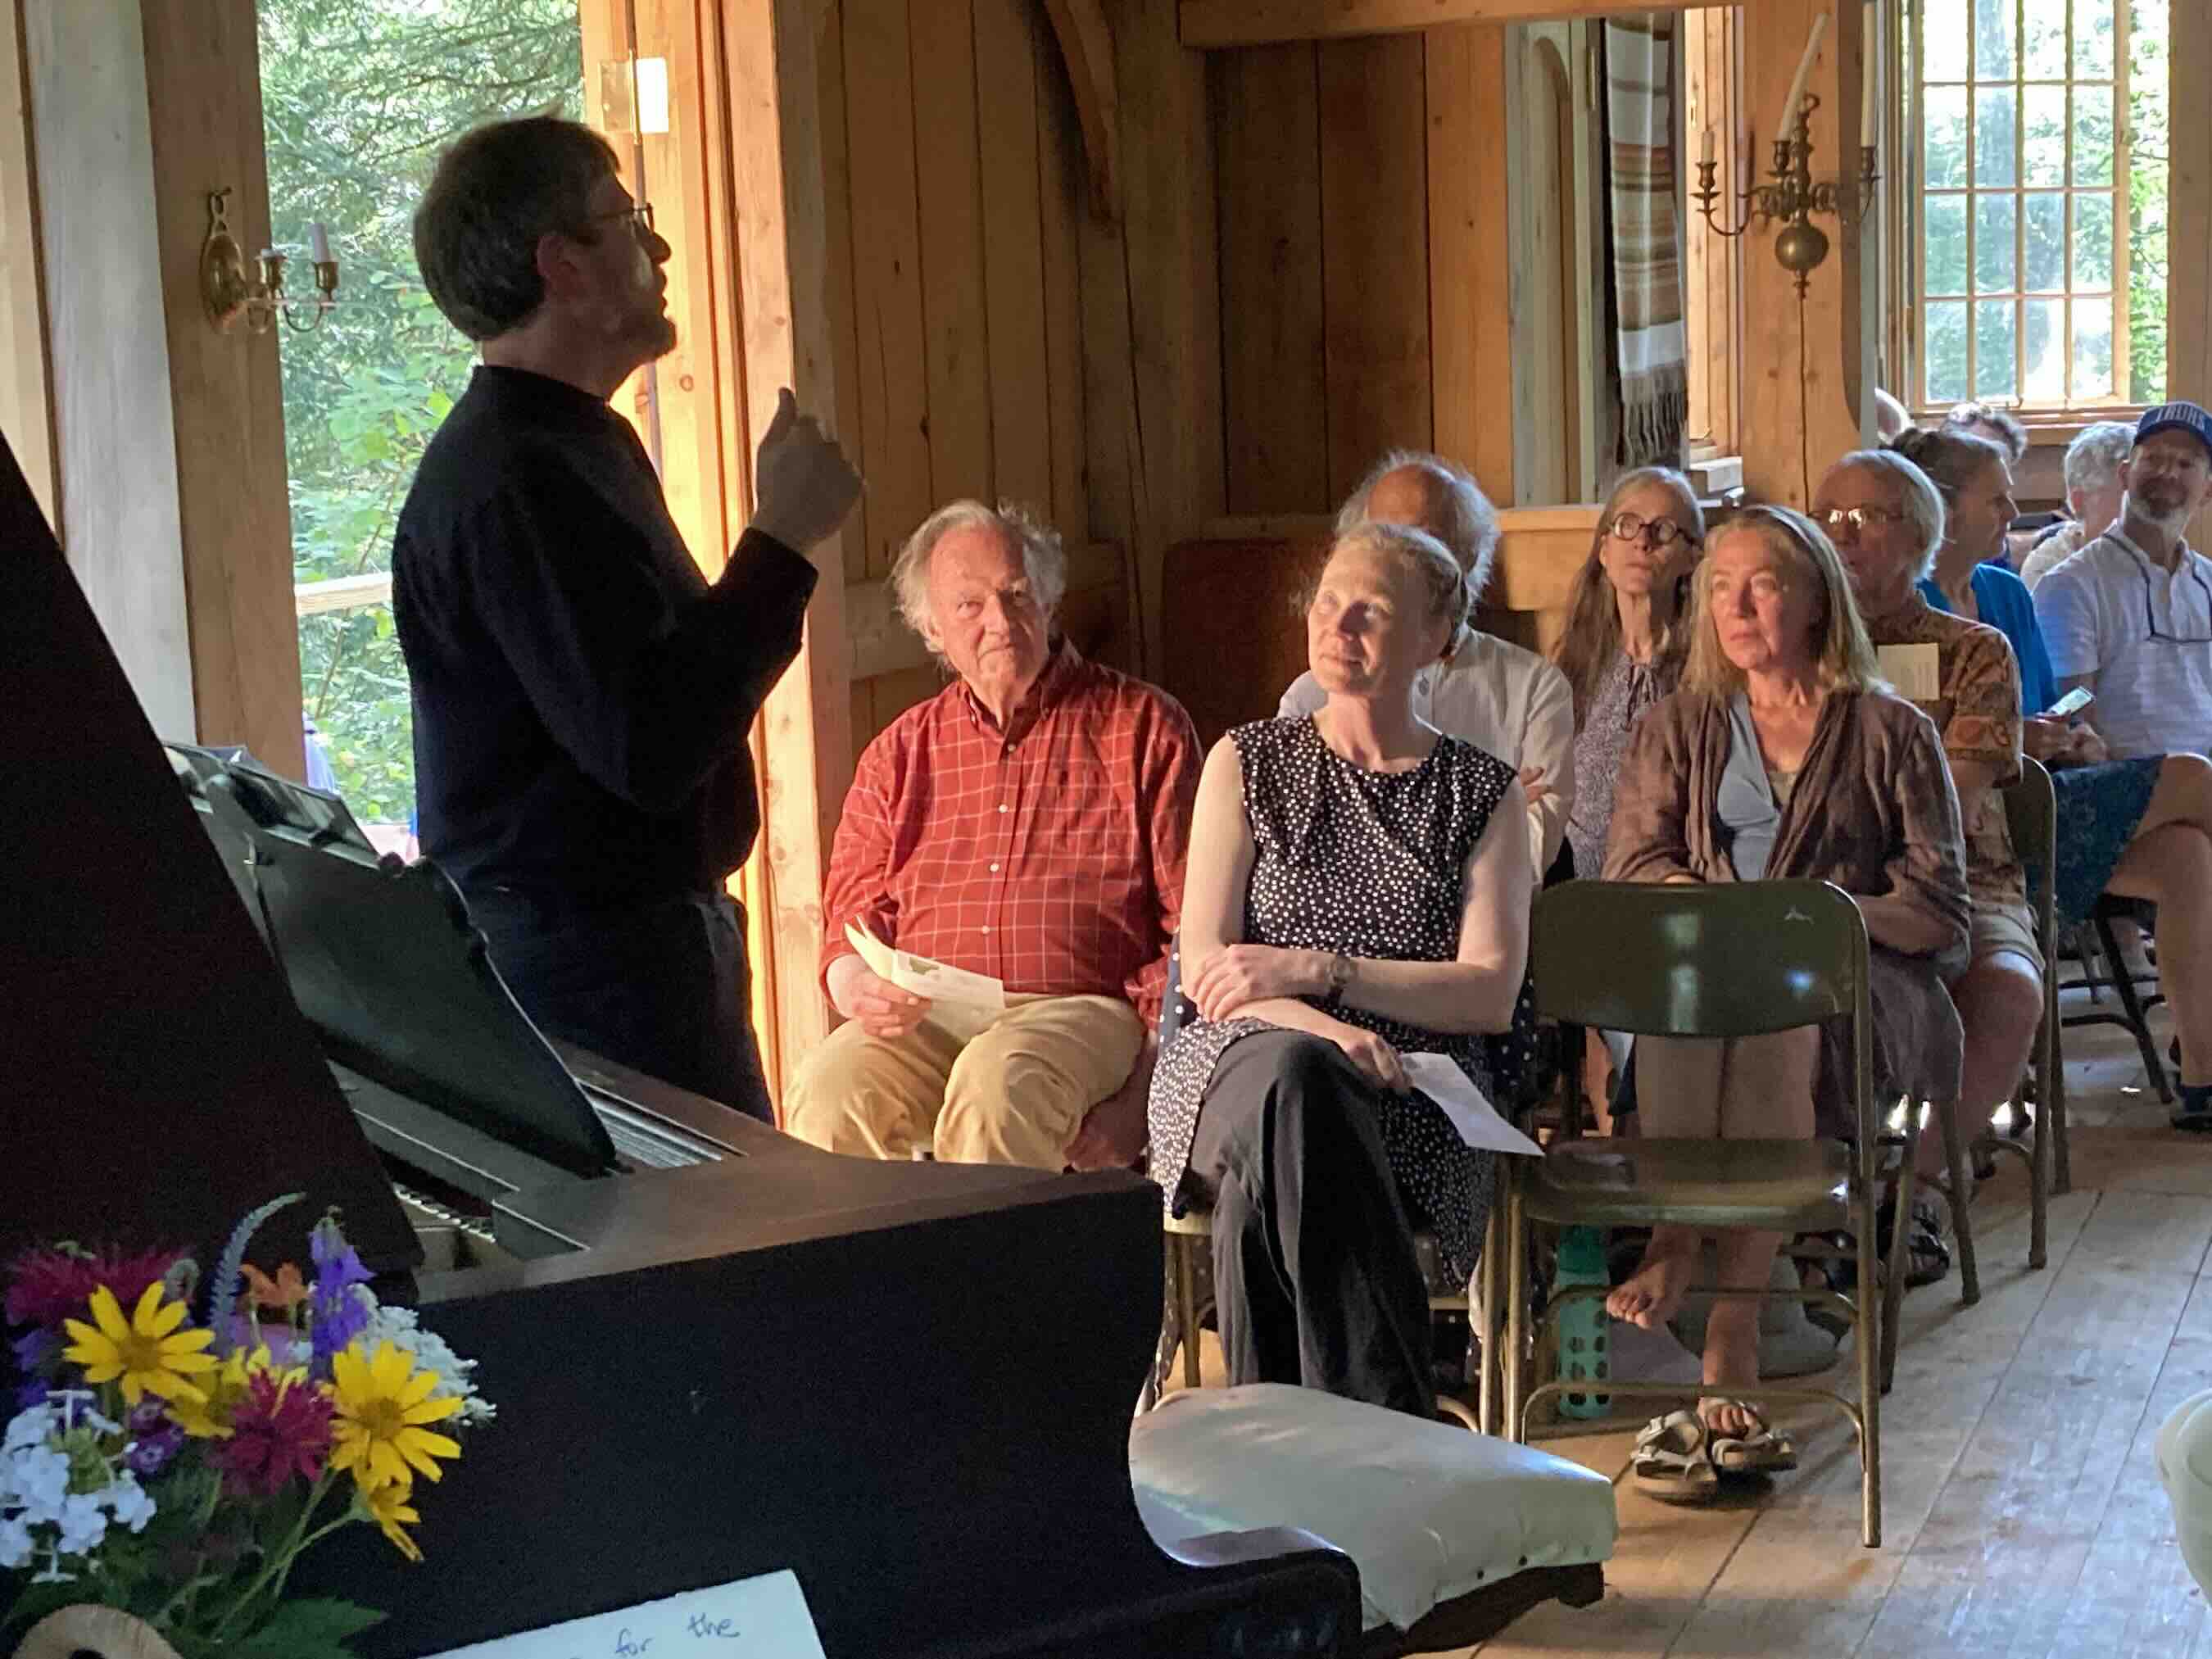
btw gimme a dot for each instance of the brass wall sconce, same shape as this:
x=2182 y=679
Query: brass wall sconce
x=1801 y=245
x=231 y=291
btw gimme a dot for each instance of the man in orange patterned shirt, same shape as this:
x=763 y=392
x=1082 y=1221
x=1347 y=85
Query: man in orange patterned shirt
x=1029 y=822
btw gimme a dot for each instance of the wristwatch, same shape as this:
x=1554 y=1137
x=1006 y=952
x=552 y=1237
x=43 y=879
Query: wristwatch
x=1339 y=975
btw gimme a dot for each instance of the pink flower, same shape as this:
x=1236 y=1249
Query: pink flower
x=280 y=1430
x=51 y=1286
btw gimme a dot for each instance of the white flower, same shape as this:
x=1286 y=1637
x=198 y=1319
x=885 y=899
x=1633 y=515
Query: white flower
x=83 y=1522
x=402 y=1329
x=129 y=1501
x=39 y=1477
x=15 y=1542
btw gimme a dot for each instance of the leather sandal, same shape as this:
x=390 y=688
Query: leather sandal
x=1762 y=1451
x=1671 y=1461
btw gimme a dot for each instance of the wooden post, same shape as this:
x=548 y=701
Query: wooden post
x=26 y=409
x=1471 y=322
x=1804 y=396
x=2189 y=213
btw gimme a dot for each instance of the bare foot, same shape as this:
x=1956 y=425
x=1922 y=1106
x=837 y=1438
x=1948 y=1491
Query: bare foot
x=1731 y=1362
x=1653 y=1293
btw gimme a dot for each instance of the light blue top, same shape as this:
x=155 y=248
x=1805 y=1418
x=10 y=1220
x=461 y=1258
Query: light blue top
x=2006 y=605
x=1746 y=805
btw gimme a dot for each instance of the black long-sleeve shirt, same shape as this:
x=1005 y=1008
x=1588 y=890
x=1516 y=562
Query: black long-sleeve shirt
x=582 y=695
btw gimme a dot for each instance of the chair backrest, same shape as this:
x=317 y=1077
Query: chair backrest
x=1691 y=959
x=2031 y=814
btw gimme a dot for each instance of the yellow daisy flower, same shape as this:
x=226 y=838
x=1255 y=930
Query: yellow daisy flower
x=208 y=1419
x=383 y=1403
x=388 y=1507
x=148 y=1352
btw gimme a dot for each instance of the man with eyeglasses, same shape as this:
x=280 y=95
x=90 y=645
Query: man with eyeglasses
x=583 y=695
x=2129 y=615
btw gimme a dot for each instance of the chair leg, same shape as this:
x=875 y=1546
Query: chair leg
x=1961 y=1197
x=2124 y=983
x=1515 y=1357
x=1877 y=1360
x=2050 y=1101
x=1900 y=1255
x=1490 y=1273
x=1187 y=1305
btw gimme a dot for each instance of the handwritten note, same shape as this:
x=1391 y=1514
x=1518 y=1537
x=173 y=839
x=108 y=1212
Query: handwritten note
x=961 y=1003
x=763 y=1618
x=1439 y=1078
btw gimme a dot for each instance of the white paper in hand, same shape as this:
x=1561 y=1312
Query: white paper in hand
x=1439 y=1078
x=961 y=1003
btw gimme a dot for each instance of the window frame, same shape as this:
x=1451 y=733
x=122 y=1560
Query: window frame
x=1910 y=265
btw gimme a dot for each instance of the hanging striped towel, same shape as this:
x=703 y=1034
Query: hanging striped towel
x=1651 y=345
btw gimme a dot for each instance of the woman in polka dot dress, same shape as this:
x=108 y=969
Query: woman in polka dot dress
x=1347 y=903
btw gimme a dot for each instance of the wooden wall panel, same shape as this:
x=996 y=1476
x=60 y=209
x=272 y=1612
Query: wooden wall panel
x=1060 y=206
x=1274 y=401
x=1012 y=253
x=949 y=177
x=1470 y=320
x=891 y=373
x=1375 y=269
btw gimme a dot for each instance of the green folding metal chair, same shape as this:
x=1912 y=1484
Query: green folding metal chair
x=1725 y=960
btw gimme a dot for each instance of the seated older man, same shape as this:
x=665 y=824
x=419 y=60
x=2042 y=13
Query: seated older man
x=1508 y=702
x=1029 y=822
x=2096 y=469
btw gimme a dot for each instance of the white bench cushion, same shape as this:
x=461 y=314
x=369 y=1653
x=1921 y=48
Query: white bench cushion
x=1427 y=1510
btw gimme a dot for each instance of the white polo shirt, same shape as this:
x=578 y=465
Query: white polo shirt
x=1508 y=702
x=2145 y=633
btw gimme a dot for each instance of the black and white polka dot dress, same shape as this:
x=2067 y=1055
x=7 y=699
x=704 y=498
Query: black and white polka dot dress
x=1372 y=864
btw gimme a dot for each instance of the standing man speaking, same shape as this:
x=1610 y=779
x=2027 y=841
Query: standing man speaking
x=582 y=695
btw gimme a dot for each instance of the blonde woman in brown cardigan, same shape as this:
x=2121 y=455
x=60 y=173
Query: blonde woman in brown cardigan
x=1784 y=755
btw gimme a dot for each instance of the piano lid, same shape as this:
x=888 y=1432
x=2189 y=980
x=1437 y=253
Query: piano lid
x=161 y=1082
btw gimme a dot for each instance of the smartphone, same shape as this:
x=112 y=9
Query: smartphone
x=2071 y=704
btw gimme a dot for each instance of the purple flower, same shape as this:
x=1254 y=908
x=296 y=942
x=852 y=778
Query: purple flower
x=35 y=1351
x=335 y=1315
x=154 y=1439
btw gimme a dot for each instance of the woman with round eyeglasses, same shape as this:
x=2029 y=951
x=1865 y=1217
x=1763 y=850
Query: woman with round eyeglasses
x=2140 y=828
x=1623 y=651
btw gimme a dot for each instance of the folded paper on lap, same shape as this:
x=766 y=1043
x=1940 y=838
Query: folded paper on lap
x=961 y=1003
x=1439 y=1078
x=763 y=1618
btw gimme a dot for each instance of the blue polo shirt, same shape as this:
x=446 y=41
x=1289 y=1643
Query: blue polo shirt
x=2006 y=605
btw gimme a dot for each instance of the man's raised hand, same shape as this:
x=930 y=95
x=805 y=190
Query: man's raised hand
x=804 y=487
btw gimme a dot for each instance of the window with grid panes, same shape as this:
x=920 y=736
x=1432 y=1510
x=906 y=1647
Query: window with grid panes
x=2040 y=193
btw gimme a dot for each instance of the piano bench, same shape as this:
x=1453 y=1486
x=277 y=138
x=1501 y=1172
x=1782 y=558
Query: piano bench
x=1454 y=1535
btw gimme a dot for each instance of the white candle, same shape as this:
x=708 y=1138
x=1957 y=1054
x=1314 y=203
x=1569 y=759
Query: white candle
x=1789 y=121
x=1706 y=147
x=1869 y=78
x=318 y=243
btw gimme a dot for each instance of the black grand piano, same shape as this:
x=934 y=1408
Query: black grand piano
x=716 y=1351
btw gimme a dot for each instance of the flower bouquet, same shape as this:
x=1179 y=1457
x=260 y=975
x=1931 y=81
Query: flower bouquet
x=175 y=1468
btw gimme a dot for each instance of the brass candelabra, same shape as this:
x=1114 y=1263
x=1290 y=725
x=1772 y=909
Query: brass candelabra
x=1792 y=196
x=231 y=291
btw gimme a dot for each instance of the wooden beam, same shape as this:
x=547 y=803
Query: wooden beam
x=1086 y=44
x=1212 y=23
x=225 y=390
x=27 y=414
x=115 y=440
x=2189 y=214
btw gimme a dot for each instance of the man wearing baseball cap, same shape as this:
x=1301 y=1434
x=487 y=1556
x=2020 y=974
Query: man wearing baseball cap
x=2130 y=615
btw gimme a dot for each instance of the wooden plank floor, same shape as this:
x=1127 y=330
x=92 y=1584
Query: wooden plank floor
x=2022 y=1514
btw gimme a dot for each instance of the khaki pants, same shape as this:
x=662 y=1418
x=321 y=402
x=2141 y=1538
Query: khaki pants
x=1016 y=1094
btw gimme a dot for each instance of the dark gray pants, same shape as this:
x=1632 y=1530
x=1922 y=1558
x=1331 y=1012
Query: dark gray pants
x=659 y=985
x=1314 y=1272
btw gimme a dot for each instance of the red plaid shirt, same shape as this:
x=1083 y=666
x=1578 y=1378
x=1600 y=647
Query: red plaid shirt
x=1049 y=854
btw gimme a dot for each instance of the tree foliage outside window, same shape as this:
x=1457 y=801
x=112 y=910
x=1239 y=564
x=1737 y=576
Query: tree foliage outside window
x=358 y=98
x=2030 y=292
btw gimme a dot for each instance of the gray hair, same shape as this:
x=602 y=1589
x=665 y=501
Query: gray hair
x=1042 y=556
x=2013 y=436
x=1924 y=501
x=1449 y=601
x=496 y=191
x=1468 y=524
x=2098 y=453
